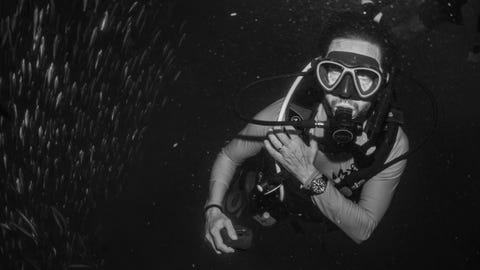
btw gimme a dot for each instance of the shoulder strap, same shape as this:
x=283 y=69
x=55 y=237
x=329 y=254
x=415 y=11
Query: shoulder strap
x=351 y=184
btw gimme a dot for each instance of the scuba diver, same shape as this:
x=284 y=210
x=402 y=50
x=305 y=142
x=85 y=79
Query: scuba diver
x=341 y=164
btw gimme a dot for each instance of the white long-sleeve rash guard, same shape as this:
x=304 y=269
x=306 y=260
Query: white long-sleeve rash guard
x=357 y=220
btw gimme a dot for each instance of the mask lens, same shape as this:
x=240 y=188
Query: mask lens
x=367 y=81
x=333 y=74
x=329 y=74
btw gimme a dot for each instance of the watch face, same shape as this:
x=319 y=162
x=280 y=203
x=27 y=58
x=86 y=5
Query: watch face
x=318 y=185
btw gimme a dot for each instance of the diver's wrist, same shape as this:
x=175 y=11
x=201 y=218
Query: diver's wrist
x=314 y=173
x=212 y=209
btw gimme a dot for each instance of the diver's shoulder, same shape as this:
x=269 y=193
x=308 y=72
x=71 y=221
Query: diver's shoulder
x=271 y=112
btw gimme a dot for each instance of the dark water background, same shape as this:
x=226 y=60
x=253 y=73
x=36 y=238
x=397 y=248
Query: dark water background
x=432 y=221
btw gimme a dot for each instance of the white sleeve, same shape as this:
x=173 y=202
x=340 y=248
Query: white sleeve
x=359 y=220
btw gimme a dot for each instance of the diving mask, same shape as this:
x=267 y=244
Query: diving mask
x=337 y=77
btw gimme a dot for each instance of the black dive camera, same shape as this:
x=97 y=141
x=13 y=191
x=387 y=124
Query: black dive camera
x=244 y=241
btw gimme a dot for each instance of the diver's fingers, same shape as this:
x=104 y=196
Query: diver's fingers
x=230 y=230
x=285 y=134
x=275 y=142
x=282 y=136
x=273 y=152
x=209 y=239
x=217 y=239
x=292 y=132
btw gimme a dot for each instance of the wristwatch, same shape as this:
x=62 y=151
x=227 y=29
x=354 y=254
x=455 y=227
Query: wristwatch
x=318 y=185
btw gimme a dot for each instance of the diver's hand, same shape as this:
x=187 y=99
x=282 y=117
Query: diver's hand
x=215 y=222
x=288 y=149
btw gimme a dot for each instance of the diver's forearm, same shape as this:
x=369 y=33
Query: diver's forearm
x=217 y=192
x=352 y=218
x=221 y=177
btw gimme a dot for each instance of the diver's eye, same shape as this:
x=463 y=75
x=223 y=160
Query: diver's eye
x=366 y=79
x=333 y=73
x=329 y=73
x=365 y=82
x=333 y=76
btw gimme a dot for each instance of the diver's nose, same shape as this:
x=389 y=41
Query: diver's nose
x=346 y=86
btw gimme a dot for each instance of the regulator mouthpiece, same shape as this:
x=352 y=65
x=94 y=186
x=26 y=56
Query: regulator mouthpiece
x=343 y=127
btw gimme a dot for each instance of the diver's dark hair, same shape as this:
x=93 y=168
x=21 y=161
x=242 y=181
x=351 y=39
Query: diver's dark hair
x=355 y=25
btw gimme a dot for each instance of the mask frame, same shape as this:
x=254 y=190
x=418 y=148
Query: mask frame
x=378 y=78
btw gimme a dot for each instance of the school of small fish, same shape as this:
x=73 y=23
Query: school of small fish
x=79 y=82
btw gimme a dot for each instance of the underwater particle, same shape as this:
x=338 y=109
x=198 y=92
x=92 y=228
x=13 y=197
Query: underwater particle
x=175 y=78
x=104 y=21
x=175 y=145
x=180 y=42
x=233 y=14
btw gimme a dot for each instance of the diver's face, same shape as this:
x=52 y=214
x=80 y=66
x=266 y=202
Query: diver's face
x=352 y=53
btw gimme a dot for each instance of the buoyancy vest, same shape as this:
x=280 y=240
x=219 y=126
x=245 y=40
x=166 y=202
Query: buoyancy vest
x=297 y=202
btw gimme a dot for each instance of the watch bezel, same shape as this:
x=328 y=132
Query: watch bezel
x=318 y=185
